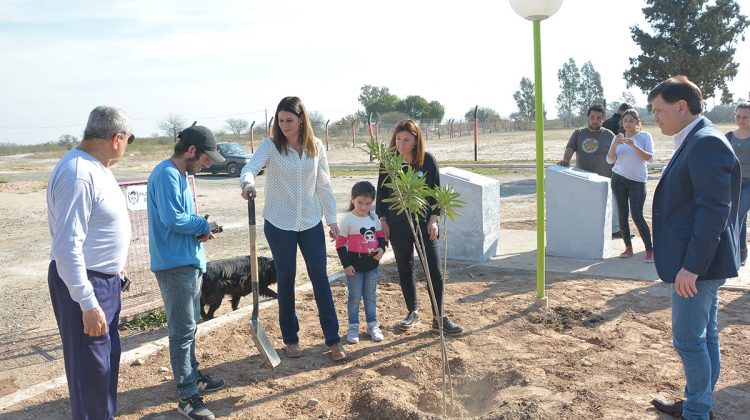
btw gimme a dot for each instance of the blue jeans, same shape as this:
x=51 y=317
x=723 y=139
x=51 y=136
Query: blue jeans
x=696 y=338
x=181 y=292
x=362 y=285
x=283 y=244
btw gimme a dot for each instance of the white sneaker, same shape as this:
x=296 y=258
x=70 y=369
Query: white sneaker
x=373 y=330
x=352 y=336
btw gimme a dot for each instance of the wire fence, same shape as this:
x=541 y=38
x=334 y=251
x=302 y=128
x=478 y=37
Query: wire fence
x=143 y=295
x=357 y=132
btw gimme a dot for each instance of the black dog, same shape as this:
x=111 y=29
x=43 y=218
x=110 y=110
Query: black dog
x=231 y=276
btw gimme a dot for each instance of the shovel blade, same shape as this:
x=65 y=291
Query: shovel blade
x=263 y=344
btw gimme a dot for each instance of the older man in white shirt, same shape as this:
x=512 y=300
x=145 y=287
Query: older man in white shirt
x=90 y=229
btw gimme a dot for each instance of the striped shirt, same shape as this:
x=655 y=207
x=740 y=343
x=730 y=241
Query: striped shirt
x=298 y=189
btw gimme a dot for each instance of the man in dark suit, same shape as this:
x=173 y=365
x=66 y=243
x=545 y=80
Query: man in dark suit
x=696 y=235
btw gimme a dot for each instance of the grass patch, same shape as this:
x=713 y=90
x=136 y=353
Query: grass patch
x=150 y=321
x=4 y=180
x=354 y=172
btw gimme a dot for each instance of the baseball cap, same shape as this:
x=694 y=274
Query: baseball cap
x=202 y=138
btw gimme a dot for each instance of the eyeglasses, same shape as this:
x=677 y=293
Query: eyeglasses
x=131 y=139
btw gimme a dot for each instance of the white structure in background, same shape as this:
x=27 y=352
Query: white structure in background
x=475 y=235
x=579 y=213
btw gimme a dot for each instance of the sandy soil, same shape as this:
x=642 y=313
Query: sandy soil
x=602 y=350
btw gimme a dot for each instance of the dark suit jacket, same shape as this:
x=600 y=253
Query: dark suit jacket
x=695 y=217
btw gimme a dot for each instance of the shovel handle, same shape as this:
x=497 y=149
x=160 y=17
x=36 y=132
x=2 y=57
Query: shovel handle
x=253 y=256
x=251 y=211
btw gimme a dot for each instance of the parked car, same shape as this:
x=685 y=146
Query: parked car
x=235 y=157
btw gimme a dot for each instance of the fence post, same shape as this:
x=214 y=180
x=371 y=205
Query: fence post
x=476 y=109
x=354 y=135
x=252 y=137
x=327 y=133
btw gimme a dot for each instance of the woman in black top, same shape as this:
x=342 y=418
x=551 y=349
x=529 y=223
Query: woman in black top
x=408 y=142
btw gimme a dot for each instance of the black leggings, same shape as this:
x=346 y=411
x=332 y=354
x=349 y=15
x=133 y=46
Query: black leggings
x=402 y=242
x=626 y=190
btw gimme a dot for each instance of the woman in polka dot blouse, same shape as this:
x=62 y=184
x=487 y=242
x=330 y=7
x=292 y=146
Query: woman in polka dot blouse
x=298 y=195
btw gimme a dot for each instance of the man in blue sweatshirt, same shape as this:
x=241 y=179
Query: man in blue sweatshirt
x=176 y=237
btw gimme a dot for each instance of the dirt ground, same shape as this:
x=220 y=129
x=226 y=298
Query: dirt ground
x=602 y=349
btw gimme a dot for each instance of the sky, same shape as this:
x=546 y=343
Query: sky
x=210 y=61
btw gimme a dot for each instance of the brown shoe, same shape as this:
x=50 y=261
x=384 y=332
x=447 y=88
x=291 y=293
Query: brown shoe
x=337 y=352
x=293 y=351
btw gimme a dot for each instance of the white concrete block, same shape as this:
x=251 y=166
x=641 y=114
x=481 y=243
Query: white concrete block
x=475 y=235
x=579 y=213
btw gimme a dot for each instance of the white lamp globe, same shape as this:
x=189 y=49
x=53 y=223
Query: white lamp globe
x=535 y=9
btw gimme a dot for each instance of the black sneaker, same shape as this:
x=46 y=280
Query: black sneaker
x=193 y=408
x=206 y=384
x=410 y=321
x=449 y=327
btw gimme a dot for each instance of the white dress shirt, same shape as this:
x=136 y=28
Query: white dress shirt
x=298 y=188
x=682 y=135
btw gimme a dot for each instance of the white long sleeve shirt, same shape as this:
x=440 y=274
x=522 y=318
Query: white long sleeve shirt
x=88 y=221
x=298 y=189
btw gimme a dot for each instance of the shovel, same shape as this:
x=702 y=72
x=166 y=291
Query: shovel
x=262 y=343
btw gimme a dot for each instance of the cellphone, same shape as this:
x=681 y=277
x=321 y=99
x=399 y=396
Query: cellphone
x=124 y=284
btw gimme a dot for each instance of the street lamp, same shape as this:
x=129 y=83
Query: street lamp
x=537 y=11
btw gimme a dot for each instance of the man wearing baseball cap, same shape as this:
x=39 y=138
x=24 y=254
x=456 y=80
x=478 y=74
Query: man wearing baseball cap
x=176 y=237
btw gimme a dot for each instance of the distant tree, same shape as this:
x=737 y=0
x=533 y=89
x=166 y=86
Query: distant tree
x=568 y=99
x=518 y=120
x=377 y=100
x=369 y=93
x=526 y=100
x=392 y=117
x=726 y=96
x=237 y=125
x=483 y=113
x=172 y=125
x=696 y=38
x=347 y=120
x=435 y=111
x=723 y=113
x=317 y=120
x=68 y=141
x=415 y=106
x=590 y=88
x=627 y=98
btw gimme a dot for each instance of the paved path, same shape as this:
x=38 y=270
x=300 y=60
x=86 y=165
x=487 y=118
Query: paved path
x=518 y=251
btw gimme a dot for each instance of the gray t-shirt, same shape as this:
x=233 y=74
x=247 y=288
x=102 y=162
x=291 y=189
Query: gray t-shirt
x=742 y=150
x=591 y=149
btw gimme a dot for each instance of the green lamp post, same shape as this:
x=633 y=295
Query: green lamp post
x=537 y=11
